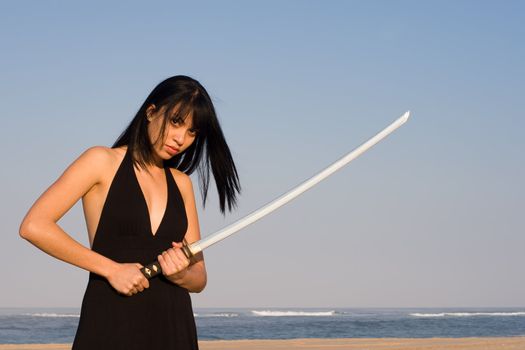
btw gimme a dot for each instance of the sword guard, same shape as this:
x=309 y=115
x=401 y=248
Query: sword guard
x=186 y=250
x=153 y=269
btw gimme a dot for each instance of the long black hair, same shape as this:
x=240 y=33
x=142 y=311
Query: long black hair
x=181 y=95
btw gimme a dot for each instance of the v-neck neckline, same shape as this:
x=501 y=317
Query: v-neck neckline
x=151 y=233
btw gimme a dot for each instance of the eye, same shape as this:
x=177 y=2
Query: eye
x=192 y=132
x=177 y=121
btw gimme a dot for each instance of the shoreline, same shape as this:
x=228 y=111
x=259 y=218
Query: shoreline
x=488 y=343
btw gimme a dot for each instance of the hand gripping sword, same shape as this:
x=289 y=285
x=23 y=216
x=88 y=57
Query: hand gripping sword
x=153 y=269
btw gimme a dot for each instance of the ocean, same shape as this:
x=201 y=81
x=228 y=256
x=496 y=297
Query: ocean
x=58 y=325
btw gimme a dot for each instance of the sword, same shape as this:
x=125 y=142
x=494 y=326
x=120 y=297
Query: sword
x=153 y=269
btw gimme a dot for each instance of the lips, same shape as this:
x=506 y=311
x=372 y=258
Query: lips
x=172 y=150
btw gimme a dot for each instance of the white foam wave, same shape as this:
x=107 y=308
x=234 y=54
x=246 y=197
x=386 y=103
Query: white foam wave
x=223 y=314
x=468 y=314
x=268 y=313
x=52 y=315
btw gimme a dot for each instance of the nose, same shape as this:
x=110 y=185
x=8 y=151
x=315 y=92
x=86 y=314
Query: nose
x=179 y=135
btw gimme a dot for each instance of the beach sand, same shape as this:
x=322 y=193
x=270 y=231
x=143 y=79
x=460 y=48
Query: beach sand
x=514 y=343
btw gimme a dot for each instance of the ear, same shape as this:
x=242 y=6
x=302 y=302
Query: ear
x=150 y=111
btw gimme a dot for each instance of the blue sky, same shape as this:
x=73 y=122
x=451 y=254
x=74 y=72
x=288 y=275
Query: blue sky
x=432 y=216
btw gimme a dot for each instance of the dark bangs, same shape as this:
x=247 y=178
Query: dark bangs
x=196 y=106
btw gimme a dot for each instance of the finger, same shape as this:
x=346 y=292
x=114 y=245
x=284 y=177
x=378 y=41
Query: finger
x=138 y=265
x=172 y=253
x=178 y=256
x=140 y=283
x=171 y=257
x=162 y=263
x=179 y=259
x=167 y=267
x=143 y=281
x=182 y=258
x=176 y=244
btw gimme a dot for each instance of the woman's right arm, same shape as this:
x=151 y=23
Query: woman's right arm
x=41 y=229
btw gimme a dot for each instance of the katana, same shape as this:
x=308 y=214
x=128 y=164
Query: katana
x=190 y=250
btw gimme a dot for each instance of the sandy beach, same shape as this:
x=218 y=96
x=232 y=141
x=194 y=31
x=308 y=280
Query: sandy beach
x=517 y=343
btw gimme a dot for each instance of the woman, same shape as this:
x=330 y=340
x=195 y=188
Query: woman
x=139 y=205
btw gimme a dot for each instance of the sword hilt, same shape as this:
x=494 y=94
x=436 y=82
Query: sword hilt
x=154 y=269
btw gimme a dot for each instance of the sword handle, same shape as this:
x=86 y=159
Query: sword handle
x=153 y=269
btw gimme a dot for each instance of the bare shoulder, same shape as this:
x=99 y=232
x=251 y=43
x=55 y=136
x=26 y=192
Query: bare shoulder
x=102 y=155
x=96 y=163
x=183 y=182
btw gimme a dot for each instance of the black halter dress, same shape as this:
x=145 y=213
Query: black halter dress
x=160 y=317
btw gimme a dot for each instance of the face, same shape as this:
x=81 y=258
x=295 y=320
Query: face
x=178 y=134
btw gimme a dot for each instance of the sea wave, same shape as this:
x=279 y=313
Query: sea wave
x=268 y=313
x=467 y=314
x=52 y=315
x=219 y=314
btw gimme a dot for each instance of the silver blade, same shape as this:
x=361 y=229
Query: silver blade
x=218 y=236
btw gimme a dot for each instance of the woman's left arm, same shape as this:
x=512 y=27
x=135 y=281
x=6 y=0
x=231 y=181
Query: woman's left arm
x=175 y=266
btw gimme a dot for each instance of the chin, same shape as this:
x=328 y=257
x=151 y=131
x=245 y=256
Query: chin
x=169 y=156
